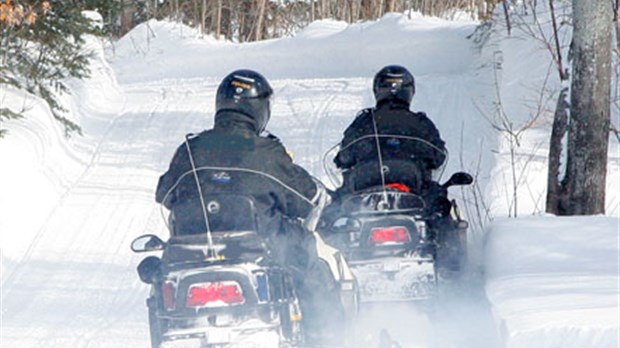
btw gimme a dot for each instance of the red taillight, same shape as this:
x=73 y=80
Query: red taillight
x=388 y=235
x=215 y=294
x=168 y=290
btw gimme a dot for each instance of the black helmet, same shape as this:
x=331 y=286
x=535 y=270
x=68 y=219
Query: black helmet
x=394 y=82
x=246 y=92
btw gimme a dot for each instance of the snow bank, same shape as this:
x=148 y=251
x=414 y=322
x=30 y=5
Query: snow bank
x=325 y=49
x=41 y=163
x=554 y=281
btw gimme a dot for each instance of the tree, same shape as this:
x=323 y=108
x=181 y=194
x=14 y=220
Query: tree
x=41 y=45
x=577 y=187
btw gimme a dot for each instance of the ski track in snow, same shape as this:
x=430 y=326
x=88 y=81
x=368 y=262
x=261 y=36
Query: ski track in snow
x=68 y=276
x=76 y=285
x=95 y=293
x=52 y=283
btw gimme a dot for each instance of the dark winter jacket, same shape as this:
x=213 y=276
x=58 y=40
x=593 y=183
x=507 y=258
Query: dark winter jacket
x=416 y=157
x=233 y=143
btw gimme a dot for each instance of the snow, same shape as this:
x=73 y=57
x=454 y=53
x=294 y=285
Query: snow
x=554 y=281
x=69 y=208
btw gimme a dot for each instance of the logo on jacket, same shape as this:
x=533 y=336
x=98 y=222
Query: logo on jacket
x=221 y=177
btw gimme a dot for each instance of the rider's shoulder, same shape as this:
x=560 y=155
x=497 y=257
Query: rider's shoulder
x=420 y=114
x=189 y=137
x=272 y=139
x=193 y=136
x=364 y=113
x=274 y=144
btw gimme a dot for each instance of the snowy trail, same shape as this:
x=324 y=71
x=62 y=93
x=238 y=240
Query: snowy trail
x=69 y=208
x=76 y=285
x=80 y=270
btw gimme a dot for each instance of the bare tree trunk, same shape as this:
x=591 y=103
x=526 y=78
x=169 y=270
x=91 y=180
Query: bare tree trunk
x=379 y=9
x=482 y=9
x=203 y=17
x=507 y=15
x=154 y=9
x=218 y=19
x=557 y=44
x=366 y=9
x=617 y=21
x=275 y=21
x=196 y=14
x=245 y=20
x=127 y=10
x=226 y=20
x=588 y=133
x=259 y=20
x=350 y=10
x=556 y=146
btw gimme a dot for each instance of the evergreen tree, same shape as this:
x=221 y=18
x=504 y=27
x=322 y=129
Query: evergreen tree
x=41 y=45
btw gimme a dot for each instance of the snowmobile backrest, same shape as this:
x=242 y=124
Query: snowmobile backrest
x=225 y=213
x=219 y=180
x=231 y=212
x=396 y=140
x=367 y=175
x=382 y=202
x=389 y=143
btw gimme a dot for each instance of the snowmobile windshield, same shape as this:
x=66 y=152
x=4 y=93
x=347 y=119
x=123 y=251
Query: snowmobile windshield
x=394 y=147
x=220 y=207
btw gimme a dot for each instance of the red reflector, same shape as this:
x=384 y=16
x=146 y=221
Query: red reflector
x=385 y=235
x=399 y=187
x=215 y=294
x=168 y=291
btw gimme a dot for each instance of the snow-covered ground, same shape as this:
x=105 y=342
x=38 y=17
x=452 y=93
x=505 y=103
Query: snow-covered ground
x=553 y=281
x=69 y=208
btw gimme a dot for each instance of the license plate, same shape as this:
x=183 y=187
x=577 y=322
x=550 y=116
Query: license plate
x=391 y=266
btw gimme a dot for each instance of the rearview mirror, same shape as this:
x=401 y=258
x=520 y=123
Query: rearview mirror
x=459 y=179
x=147 y=242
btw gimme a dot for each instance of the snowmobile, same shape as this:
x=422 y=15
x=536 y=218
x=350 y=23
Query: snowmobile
x=396 y=242
x=223 y=288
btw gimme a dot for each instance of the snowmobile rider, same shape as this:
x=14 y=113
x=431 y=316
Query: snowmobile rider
x=407 y=164
x=237 y=141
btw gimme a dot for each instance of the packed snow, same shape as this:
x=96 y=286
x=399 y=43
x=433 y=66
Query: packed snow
x=70 y=207
x=554 y=281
